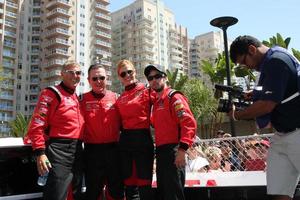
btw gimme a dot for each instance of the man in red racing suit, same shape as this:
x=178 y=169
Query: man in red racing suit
x=101 y=137
x=175 y=128
x=55 y=132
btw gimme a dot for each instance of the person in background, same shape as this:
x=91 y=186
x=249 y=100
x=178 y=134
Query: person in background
x=175 y=129
x=136 y=143
x=279 y=83
x=55 y=132
x=101 y=137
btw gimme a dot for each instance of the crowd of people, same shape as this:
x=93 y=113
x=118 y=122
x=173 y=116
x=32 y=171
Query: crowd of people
x=107 y=138
x=225 y=154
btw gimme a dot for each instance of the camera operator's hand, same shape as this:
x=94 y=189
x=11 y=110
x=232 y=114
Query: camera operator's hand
x=248 y=95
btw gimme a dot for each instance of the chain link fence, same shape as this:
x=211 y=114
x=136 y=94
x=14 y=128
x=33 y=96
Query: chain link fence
x=244 y=153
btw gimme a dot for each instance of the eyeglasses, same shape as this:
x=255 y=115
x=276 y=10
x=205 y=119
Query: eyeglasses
x=123 y=74
x=102 y=78
x=73 y=72
x=156 y=76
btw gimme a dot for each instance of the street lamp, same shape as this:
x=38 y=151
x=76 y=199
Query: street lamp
x=223 y=23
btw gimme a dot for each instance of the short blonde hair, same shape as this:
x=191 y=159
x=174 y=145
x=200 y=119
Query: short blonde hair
x=70 y=63
x=123 y=63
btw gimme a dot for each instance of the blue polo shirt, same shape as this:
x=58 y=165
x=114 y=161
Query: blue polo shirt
x=279 y=80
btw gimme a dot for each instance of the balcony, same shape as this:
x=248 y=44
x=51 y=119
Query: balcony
x=106 y=63
x=103 y=53
x=102 y=43
x=103 y=34
x=51 y=74
x=58 y=31
x=10 y=34
x=6 y=97
x=10 y=24
x=58 y=12
x=56 y=63
x=106 y=2
x=9 y=44
x=35 y=51
x=8 y=65
x=36 y=5
x=58 y=22
x=11 y=14
x=103 y=25
x=5 y=118
x=58 y=3
x=58 y=42
x=7 y=86
x=9 y=54
x=6 y=107
x=101 y=7
x=57 y=52
x=103 y=16
x=11 y=5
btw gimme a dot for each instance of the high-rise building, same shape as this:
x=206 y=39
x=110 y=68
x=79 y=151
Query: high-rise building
x=48 y=33
x=145 y=32
x=205 y=47
x=9 y=39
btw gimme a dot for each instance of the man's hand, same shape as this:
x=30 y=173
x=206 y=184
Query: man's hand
x=43 y=164
x=180 y=159
x=248 y=95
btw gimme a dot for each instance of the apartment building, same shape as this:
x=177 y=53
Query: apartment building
x=9 y=31
x=47 y=34
x=205 y=47
x=145 y=32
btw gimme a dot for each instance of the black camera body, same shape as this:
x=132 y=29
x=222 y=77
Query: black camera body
x=238 y=99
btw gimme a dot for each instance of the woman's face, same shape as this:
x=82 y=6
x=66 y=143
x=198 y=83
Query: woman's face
x=127 y=75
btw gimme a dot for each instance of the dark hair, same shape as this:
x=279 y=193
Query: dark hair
x=240 y=46
x=95 y=66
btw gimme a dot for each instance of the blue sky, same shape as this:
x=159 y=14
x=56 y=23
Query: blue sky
x=259 y=18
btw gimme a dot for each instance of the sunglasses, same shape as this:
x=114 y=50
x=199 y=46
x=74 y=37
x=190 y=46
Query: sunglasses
x=156 y=76
x=123 y=74
x=73 y=72
x=102 y=78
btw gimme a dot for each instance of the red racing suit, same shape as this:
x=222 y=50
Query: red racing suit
x=173 y=120
x=134 y=107
x=101 y=153
x=54 y=117
x=136 y=144
x=102 y=120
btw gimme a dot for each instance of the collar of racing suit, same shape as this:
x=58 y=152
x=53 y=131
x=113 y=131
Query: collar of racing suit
x=131 y=86
x=71 y=91
x=98 y=95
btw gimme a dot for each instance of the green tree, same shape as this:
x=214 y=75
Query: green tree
x=203 y=105
x=176 y=82
x=277 y=40
x=19 y=125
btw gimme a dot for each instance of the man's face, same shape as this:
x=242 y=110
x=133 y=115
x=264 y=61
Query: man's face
x=97 y=79
x=249 y=59
x=157 y=80
x=71 y=76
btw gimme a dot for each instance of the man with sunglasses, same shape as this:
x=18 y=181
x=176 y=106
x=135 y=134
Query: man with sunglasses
x=175 y=128
x=55 y=132
x=101 y=136
x=278 y=98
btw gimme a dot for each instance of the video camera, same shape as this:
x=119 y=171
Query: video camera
x=238 y=99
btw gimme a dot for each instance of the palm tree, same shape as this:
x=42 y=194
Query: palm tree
x=19 y=125
x=203 y=105
x=277 y=40
x=175 y=82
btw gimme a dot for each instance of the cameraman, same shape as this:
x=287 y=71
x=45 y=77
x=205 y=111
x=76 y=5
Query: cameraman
x=278 y=81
